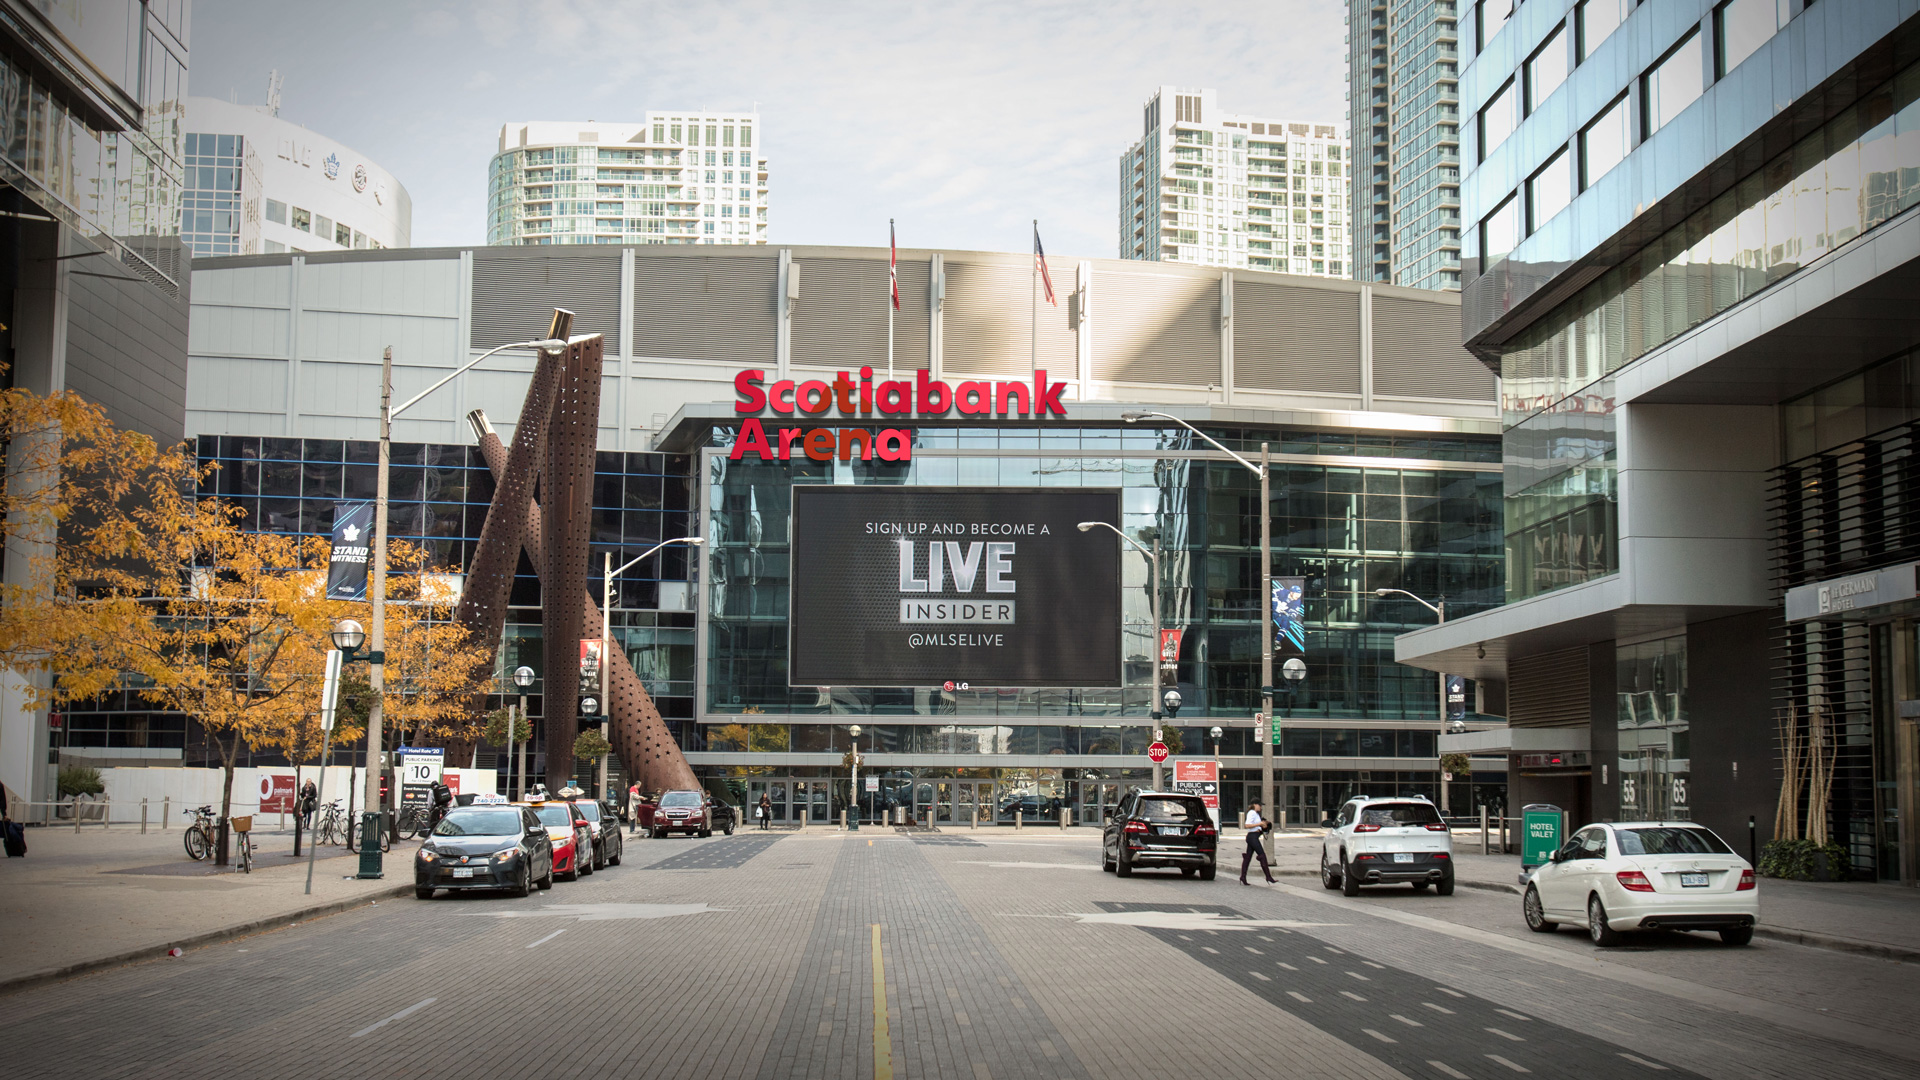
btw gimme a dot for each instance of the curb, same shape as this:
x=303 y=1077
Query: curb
x=148 y=952
x=1810 y=939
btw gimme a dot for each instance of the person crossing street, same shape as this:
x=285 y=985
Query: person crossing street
x=1257 y=827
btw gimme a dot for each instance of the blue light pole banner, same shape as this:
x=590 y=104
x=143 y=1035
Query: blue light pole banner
x=1289 y=620
x=352 y=541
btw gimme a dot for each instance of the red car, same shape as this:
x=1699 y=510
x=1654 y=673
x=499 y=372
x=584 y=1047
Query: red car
x=693 y=813
x=572 y=836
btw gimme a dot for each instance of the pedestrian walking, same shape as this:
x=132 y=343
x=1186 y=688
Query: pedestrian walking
x=12 y=832
x=309 y=800
x=1257 y=826
x=647 y=807
x=764 y=812
x=633 y=808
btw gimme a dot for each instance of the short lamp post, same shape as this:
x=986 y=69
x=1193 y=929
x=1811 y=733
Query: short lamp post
x=522 y=678
x=1440 y=614
x=1153 y=647
x=348 y=635
x=556 y=340
x=606 y=635
x=854 y=732
x=1264 y=471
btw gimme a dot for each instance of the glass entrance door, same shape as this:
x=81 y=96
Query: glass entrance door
x=1302 y=803
x=1096 y=797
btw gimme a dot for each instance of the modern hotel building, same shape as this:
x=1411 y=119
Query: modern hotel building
x=1692 y=261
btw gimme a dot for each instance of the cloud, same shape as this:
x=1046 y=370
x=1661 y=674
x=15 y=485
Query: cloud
x=963 y=121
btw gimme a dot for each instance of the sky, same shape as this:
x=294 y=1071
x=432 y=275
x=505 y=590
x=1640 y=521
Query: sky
x=962 y=121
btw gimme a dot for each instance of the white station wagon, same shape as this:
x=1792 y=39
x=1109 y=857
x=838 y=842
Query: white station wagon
x=1644 y=875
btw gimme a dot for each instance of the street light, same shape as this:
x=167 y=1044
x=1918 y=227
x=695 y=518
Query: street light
x=854 y=732
x=1153 y=651
x=557 y=333
x=1264 y=472
x=1440 y=614
x=1216 y=733
x=606 y=635
x=348 y=636
x=522 y=678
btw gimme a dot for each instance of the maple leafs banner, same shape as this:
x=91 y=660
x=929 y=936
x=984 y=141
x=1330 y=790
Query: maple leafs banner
x=352 y=542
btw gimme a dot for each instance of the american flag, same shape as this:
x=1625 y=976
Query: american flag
x=1040 y=260
x=893 y=265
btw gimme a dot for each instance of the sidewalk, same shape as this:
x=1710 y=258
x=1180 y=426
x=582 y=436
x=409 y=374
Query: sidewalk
x=104 y=897
x=1879 y=920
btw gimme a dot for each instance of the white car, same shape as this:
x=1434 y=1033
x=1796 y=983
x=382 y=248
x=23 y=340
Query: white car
x=1644 y=875
x=1381 y=841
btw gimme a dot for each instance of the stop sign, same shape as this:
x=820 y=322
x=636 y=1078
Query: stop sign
x=1158 y=752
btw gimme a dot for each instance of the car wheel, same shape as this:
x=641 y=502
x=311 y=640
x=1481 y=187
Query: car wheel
x=729 y=830
x=619 y=851
x=1349 y=882
x=423 y=894
x=599 y=857
x=1738 y=935
x=1106 y=864
x=1536 y=913
x=1446 y=886
x=1207 y=872
x=547 y=882
x=1120 y=864
x=524 y=883
x=1602 y=934
x=573 y=870
x=1328 y=878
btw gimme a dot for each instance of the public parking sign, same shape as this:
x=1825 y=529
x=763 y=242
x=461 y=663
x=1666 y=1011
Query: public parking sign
x=420 y=768
x=1200 y=778
x=1158 y=752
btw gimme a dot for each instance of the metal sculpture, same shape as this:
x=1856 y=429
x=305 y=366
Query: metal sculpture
x=557 y=549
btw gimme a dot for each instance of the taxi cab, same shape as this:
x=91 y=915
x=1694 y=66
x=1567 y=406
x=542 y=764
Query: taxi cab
x=572 y=836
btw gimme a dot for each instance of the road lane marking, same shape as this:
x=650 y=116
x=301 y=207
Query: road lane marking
x=1515 y=1015
x=1262 y=978
x=1437 y=1008
x=1288 y=966
x=1351 y=994
x=1643 y=1061
x=548 y=938
x=1298 y=996
x=1359 y=976
x=1381 y=1037
x=1211 y=949
x=1316 y=960
x=1506 y=1034
x=1455 y=993
x=1449 y=1070
x=1371 y=964
x=1407 y=1020
x=1509 y=1064
x=1253 y=950
x=401 y=1015
x=882 y=1038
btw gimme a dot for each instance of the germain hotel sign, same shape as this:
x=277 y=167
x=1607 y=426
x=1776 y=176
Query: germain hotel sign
x=1841 y=597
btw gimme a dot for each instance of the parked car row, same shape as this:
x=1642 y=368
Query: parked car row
x=517 y=846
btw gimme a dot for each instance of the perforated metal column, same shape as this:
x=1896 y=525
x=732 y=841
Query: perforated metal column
x=566 y=482
x=640 y=734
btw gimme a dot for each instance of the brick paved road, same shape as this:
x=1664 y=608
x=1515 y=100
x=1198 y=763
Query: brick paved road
x=1000 y=956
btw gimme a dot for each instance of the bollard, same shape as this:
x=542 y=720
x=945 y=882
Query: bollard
x=1503 y=833
x=143 y=816
x=1063 y=818
x=76 y=816
x=166 y=810
x=843 y=821
x=1016 y=819
x=976 y=816
x=1483 y=830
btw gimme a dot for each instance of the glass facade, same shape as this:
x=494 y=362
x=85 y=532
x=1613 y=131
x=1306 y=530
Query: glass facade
x=1655 y=753
x=1348 y=526
x=1404 y=114
x=216 y=215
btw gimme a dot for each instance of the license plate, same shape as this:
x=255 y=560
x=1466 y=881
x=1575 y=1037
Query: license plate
x=1402 y=856
x=1693 y=881
x=1170 y=830
x=465 y=872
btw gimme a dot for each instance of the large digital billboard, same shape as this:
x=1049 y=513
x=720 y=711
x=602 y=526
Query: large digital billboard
x=921 y=586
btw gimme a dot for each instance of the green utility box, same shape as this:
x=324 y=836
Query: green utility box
x=1541 y=825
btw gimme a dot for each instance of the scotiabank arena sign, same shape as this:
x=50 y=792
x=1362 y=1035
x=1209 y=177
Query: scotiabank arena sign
x=920 y=586
x=923 y=397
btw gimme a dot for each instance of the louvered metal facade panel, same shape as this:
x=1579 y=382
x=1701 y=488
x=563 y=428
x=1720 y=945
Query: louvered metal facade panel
x=987 y=319
x=1156 y=328
x=514 y=295
x=840 y=320
x=1295 y=340
x=1548 y=690
x=700 y=307
x=1417 y=353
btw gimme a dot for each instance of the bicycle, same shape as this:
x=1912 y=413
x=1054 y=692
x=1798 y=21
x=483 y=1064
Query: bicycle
x=199 y=837
x=241 y=830
x=413 y=821
x=332 y=827
x=353 y=828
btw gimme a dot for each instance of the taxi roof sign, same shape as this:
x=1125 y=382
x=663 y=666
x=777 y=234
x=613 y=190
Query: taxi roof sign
x=489 y=799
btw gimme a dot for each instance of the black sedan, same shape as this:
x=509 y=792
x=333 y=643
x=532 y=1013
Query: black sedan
x=608 y=845
x=485 y=847
x=1160 y=829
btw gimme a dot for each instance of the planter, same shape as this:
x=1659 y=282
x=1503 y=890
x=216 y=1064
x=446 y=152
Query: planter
x=1820 y=868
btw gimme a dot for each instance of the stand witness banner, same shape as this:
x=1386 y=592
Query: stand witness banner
x=1288 y=615
x=923 y=586
x=352 y=542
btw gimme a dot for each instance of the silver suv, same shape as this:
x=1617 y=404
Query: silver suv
x=1380 y=841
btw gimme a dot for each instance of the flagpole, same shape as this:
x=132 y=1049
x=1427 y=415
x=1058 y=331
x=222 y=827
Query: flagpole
x=891 y=255
x=1033 y=303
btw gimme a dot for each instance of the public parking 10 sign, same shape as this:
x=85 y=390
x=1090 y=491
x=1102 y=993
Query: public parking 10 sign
x=420 y=768
x=1200 y=778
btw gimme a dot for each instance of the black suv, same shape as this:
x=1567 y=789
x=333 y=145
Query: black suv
x=1157 y=829
x=608 y=845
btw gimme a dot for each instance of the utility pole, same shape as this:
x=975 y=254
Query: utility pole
x=371 y=806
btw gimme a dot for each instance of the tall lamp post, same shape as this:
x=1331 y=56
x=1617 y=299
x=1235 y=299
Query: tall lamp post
x=1440 y=613
x=1263 y=471
x=1153 y=649
x=522 y=678
x=555 y=340
x=854 y=733
x=1294 y=670
x=606 y=634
